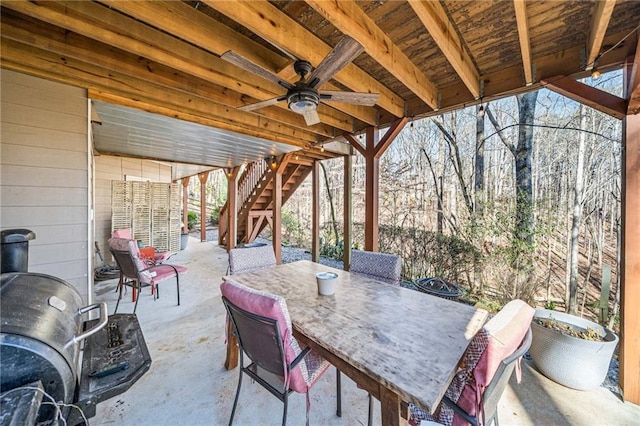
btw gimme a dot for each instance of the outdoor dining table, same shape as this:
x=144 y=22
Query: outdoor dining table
x=398 y=344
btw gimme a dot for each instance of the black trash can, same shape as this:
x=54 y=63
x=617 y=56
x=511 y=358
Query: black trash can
x=15 y=249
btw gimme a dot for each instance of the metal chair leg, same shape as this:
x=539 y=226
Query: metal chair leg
x=370 y=419
x=138 y=287
x=235 y=401
x=284 y=413
x=338 y=393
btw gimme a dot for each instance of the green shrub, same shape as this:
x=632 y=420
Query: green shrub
x=192 y=219
x=215 y=216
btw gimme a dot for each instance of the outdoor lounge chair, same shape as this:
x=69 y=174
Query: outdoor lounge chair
x=137 y=273
x=263 y=327
x=126 y=233
x=472 y=398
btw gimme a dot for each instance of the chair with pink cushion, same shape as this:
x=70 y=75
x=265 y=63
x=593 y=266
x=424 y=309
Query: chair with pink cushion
x=137 y=273
x=263 y=327
x=484 y=371
x=126 y=233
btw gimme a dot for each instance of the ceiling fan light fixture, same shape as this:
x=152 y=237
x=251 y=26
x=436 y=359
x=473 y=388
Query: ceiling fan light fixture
x=302 y=101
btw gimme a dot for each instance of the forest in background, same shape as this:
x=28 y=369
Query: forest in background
x=452 y=202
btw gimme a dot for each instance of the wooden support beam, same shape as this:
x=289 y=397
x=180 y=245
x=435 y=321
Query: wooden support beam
x=522 y=21
x=633 y=82
x=356 y=144
x=276 y=227
x=436 y=22
x=232 y=206
x=371 y=198
x=315 y=212
x=185 y=204
x=272 y=24
x=587 y=95
x=599 y=23
x=203 y=205
x=630 y=267
x=350 y=19
x=348 y=208
x=393 y=131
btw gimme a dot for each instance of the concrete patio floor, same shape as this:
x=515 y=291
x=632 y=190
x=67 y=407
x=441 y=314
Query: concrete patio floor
x=187 y=383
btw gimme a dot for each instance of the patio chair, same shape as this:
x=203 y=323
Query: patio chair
x=127 y=234
x=249 y=259
x=136 y=271
x=381 y=266
x=472 y=398
x=262 y=325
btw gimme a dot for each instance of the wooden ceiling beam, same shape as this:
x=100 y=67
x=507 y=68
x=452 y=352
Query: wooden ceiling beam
x=189 y=24
x=599 y=23
x=83 y=49
x=351 y=20
x=442 y=30
x=70 y=71
x=633 y=85
x=522 y=21
x=111 y=27
x=280 y=30
x=591 y=96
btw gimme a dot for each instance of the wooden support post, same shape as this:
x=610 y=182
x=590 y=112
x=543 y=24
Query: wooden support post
x=185 y=204
x=276 y=228
x=630 y=268
x=315 y=212
x=372 y=191
x=347 y=237
x=203 y=205
x=232 y=207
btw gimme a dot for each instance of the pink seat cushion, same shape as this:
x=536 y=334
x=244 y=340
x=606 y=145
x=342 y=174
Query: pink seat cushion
x=159 y=273
x=123 y=233
x=506 y=331
x=271 y=306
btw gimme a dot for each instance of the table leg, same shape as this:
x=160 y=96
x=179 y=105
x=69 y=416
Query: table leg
x=390 y=405
x=232 y=347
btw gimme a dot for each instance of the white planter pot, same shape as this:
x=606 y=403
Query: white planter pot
x=572 y=362
x=184 y=240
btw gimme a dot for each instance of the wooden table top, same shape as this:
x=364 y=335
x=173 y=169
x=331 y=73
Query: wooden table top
x=408 y=341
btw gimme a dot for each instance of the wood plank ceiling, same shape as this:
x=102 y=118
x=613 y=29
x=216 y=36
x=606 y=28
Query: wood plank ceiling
x=421 y=57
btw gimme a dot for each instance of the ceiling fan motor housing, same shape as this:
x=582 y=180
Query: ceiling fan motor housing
x=302 y=99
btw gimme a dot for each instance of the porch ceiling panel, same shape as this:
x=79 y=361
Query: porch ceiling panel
x=421 y=56
x=127 y=131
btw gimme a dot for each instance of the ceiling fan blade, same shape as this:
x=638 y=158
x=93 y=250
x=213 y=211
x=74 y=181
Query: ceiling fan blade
x=311 y=117
x=261 y=104
x=356 y=98
x=246 y=64
x=344 y=52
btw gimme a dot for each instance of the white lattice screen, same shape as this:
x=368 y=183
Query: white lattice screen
x=151 y=210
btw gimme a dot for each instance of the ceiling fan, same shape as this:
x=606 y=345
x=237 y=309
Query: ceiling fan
x=303 y=96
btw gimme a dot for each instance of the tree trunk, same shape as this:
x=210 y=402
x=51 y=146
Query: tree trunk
x=479 y=168
x=523 y=233
x=576 y=220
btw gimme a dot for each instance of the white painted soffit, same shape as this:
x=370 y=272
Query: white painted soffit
x=131 y=132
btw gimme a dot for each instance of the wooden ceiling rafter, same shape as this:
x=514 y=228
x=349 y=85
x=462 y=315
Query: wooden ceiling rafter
x=71 y=45
x=434 y=18
x=603 y=10
x=280 y=30
x=633 y=85
x=351 y=20
x=185 y=22
x=522 y=21
x=102 y=24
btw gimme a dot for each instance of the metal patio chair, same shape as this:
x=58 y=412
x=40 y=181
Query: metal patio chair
x=263 y=327
x=485 y=369
x=137 y=273
x=249 y=259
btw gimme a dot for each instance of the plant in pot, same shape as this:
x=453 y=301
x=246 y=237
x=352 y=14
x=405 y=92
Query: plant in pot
x=570 y=350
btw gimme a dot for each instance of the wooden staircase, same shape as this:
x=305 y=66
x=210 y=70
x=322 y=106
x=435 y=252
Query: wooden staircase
x=255 y=192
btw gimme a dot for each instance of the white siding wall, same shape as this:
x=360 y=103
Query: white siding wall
x=45 y=183
x=109 y=168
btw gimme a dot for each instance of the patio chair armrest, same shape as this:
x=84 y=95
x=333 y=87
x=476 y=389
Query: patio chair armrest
x=162 y=264
x=299 y=358
x=459 y=411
